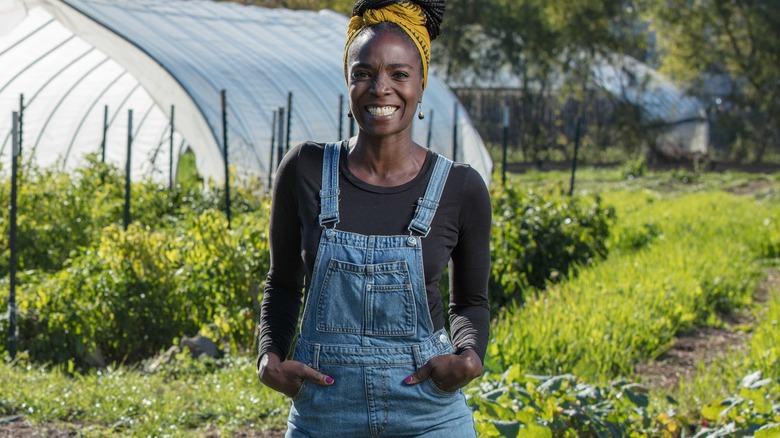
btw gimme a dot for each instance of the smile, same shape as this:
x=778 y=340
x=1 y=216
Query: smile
x=381 y=110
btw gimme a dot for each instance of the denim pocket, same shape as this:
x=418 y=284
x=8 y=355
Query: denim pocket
x=375 y=299
x=298 y=394
x=438 y=391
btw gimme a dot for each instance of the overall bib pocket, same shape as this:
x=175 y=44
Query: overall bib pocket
x=375 y=299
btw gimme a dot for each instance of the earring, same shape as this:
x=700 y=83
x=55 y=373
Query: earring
x=349 y=114
x=420 y=115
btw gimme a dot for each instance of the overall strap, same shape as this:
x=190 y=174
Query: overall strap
x=426 y=206
x=329 y=193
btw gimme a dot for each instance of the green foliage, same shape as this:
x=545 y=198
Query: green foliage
x=140 y=289
x=61 y=214
x=516 y=405
x=753 y=411
x=92 y=292
x=630 y=307
x=729 y=39
x=540 y=237
x=635 y=169
x=678 y=256
x=765 y=342
x=206 y=397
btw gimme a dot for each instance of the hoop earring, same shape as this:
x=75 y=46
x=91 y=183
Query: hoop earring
x=420 y=115
x=349 y=114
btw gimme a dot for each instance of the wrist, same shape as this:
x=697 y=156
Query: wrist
x=472 y=361
x=266 y=360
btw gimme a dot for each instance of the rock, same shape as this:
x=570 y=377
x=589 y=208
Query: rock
x=199 y=345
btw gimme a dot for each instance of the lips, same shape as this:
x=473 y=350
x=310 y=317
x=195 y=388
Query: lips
x=381 y=110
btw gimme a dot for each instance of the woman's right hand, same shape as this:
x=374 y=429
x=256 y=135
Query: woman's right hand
x=288 y=376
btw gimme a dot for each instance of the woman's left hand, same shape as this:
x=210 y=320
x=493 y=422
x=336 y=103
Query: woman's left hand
x=449 y=371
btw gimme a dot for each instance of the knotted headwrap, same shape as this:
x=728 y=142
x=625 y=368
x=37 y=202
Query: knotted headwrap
x=421 y=20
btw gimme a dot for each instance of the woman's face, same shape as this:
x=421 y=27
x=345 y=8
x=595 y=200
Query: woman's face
x=385 y=82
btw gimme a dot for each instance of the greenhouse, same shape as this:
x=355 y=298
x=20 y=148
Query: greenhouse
x=92 y=76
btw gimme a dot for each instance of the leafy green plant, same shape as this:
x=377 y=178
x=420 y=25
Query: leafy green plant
x=753 y=411
x=635 y=169
x=542 y=237
x=516 y=405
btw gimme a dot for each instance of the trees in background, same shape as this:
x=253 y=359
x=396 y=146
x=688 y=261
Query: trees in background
x=729 y=51
x=549 y=47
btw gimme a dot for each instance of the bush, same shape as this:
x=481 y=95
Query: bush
x=62 y=213
x=92 y=292
x=539 y=238
x=140 y=289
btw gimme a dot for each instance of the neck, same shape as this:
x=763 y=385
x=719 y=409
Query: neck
x=386 y=161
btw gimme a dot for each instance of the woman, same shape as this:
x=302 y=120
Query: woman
x=367 y=227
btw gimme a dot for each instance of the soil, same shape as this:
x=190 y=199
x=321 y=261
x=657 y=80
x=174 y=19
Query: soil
x=703 y=346
x=18 y=427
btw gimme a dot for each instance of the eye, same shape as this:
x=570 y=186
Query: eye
x=400 y=75
x=360 y=74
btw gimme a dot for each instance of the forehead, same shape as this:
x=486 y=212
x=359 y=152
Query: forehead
x=388 y=43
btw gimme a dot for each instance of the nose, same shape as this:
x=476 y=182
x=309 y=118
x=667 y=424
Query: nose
x=380 y=85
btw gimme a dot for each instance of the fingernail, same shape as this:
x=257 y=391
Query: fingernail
x=329 y=380
x=408 y=379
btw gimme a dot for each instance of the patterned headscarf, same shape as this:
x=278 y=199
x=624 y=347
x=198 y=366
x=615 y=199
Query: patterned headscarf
x=421 y=20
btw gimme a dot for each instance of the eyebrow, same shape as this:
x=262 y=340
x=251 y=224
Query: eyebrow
x=391 y=66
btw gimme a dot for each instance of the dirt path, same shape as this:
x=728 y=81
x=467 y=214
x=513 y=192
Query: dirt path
x=705 y=345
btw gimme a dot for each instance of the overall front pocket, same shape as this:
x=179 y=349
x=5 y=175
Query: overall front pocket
x=375 y=299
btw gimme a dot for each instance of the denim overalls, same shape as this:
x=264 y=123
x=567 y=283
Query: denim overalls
x=366 y=323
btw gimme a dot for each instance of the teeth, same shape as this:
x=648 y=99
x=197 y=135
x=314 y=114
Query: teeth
x=381 y=110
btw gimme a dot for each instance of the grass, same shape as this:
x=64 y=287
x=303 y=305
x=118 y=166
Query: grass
x=697 y=262
x=203 y=399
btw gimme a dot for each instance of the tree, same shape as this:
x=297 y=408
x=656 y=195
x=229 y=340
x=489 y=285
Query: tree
x=546 y=44
x=734 y=39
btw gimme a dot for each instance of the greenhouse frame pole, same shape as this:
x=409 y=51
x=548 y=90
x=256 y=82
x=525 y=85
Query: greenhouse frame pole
x=20 y=137
x=289 y=120
x=170 y=161
x=280 y=139
x=127 y=167
x=505 y=144
x=105 y=134
x=576 y=150
x=271 y=158
x=227 y=162
x=16 y=152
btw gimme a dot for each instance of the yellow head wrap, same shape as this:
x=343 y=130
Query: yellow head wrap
x=408 y=16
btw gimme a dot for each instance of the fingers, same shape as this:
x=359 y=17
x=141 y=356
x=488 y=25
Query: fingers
x=288 y=376
x=317 y=377
x=420 y=374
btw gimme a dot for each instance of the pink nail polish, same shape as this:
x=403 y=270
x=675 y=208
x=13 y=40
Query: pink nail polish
x=408 y=379
x=329 y=380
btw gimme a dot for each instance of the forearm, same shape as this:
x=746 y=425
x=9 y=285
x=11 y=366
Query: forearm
x=278 y=319
x=470 y=327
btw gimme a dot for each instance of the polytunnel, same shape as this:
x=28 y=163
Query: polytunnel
x=85 y=71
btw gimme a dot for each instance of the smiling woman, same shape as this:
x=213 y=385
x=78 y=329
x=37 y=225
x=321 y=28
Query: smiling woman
x=366 y=228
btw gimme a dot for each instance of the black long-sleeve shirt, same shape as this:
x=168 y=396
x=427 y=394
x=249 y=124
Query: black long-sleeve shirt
x=460 y=236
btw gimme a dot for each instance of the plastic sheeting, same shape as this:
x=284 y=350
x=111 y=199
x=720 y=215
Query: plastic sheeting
x=76 y=60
